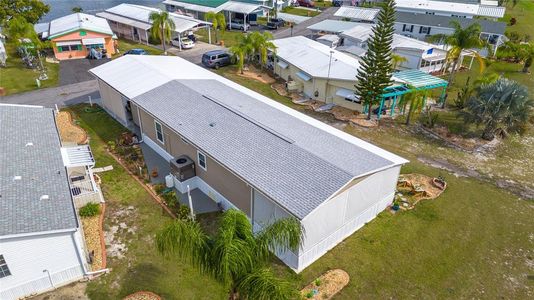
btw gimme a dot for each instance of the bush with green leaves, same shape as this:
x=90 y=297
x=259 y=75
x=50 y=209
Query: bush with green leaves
x=183 y=212
x=90 y=210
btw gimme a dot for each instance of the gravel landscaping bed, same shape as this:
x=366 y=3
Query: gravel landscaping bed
x=68 y=131
x=92 y=230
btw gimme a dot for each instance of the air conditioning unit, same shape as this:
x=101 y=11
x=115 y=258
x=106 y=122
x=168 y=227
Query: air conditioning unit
x=182 y=167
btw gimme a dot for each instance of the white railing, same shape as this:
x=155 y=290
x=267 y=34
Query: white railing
x=81 y=187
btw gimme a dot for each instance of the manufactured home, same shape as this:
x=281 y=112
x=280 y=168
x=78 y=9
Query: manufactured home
x=248 y=152
x=43 y=182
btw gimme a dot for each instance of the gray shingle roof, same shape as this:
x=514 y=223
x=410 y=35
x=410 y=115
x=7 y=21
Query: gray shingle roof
x=296 y=164
x=41 y=172
x=444 y=21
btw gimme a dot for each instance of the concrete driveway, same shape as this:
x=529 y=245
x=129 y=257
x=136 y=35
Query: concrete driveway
x=75 y=70
x=194 y=55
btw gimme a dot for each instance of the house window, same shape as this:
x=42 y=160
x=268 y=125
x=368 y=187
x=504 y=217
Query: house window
x=202 y=161
x=424 y=30
x=159 y=132
x=4 y=269
x=407 y=28
x=69 y=48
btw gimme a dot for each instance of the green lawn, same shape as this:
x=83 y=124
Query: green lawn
x=142 y=268
x=471 y=242
x=229 y=37
x=125 y=45
x=16 y=78
x=523 y=12
x=300 y=11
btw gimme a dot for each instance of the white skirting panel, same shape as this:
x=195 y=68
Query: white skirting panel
x=43 y=284
x=156 y=148
x=307 y=258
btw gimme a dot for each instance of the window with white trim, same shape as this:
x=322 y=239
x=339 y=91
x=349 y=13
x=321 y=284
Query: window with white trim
x=159 y=132
x=202 y=161
x=424 y=30
x=4 y=269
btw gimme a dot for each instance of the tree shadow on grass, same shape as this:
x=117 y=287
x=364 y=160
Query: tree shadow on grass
x=142 y=277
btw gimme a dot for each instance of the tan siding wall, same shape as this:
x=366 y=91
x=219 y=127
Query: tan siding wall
x=112 y=101
x=319 y=85
x=218 y=177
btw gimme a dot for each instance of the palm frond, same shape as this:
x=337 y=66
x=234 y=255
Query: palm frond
x=185 y=239
x=282 y=235
x=262 y=284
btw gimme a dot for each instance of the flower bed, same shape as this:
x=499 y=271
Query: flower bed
x=413 y=188
x=327 y=285
x=93 y=235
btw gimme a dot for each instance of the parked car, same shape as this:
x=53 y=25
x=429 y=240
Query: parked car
x=337 y=3
x=136 y=51
x=216 y=59
x=305 y=3
x=275 y=23
x=238 y=24
x=186 y=43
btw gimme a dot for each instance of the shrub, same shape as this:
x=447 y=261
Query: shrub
x=158 y=188
x=310 y=294
x=183 y=212
x=171 y=200
x=318 y=282
x=90 y=210
x=513 y=21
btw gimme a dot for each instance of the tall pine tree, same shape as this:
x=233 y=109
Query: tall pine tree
x=374 y=74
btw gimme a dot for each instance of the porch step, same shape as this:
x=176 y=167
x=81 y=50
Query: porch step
x=104 y=169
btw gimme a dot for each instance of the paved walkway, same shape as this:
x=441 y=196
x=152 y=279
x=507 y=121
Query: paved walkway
x=61 y=95
x=301 y=28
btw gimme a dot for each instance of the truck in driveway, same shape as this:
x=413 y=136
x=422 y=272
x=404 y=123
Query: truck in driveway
x=275 y=23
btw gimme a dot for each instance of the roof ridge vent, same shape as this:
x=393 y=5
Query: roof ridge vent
x=44 y=197
x=251 y=120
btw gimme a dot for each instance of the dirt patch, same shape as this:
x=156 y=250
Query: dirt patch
x=327 y=285
x=115 y=235
x=255 y=74
x=143 y=295
x=280 y=88
x=413 y=188
x=68 y=131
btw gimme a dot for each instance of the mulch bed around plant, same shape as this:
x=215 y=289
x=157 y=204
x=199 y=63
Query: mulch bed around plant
x=142 y=295
x=92 y=230
x=409 y=198
x=68 y=131
x=253 y=73
x=331 y=283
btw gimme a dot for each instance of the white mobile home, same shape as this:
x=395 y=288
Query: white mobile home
x=41 y=242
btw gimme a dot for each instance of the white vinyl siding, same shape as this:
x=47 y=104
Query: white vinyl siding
x=39 y=263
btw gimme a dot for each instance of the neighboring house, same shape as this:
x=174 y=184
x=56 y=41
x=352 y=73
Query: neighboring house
x=420 y=55
x=327 y=75
x=246 y=11
x=421 y=26
x=449 y=9
x=41 y=240
x=74 y=35
x=247 y=151
x=133 y=22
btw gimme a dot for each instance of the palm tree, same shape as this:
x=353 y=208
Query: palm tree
x=415 y=101
x=77 y=9
x=242 y=50
x=526 y=53
x=162 y=27
x=235 y=256
x=460 y=41
x=500 y=107
x=397 y=60
x=218 y=21
x=261 y=44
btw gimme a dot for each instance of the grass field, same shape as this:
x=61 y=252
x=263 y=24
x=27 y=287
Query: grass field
x=16 y=78
x=300 y=11
x=230 y=37
x=524 y=14
x=142 y=268
x=125 y=45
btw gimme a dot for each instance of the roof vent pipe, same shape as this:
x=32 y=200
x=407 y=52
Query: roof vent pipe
x=44 y=197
